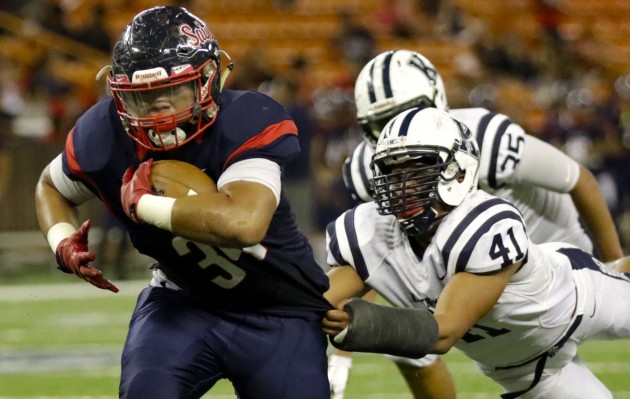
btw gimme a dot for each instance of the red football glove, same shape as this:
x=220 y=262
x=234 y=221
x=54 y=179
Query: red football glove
x=73 y=256
x=135 y=185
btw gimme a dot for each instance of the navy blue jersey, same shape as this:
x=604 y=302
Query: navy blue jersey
x=278 y=276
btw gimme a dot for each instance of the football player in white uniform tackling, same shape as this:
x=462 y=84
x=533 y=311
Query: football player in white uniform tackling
x=559 y=199
x=459 y=267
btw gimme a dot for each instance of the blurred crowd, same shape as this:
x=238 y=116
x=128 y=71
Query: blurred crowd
x=544 y=74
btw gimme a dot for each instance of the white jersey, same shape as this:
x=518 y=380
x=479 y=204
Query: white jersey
x=533 y=175
x=483 y=234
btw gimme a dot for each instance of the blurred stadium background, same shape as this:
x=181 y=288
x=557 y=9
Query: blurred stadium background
x=560 y=68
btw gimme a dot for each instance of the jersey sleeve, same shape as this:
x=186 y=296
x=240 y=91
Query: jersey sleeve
x=342 y=246
x=256 y=170
x=353 y=239
x=485 y=238
x=357 y=173
x=546 y=166
x=74 y=191
x=501 y=143
x=95 y=140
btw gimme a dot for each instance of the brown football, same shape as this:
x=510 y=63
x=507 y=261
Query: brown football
x=170 y=178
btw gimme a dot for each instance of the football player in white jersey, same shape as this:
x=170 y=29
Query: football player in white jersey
x=554 y=193
x=460 y=263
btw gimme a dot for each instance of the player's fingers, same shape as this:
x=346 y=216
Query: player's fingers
x=84 y=229
x=102 y=283
x=81 y=259
x=110 y=286
x=128 y=175
x=330 y=326
x=142 y=169
x=90 y=272
x=145 y=167
x=105 y=284
x=331 y=331
x=144 y=172
x=337 y=316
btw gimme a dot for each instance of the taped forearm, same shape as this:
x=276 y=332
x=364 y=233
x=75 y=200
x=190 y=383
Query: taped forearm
x=382 y=329
x=156 y=210
x=58 y=233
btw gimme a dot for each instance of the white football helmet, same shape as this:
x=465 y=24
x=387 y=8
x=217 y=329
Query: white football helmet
x=392 y=82
x=423 y=155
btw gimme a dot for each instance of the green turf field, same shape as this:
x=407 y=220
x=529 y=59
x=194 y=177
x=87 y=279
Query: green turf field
x=64 y=341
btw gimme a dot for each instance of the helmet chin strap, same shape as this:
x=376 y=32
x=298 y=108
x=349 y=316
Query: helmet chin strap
x=228 y=68
x=167 y=139
x=422 y=222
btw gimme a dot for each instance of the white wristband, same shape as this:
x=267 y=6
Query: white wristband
x=58 y=233
x=156 y=210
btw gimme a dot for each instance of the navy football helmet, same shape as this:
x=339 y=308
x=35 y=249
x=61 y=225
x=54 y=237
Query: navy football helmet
x=166 y=77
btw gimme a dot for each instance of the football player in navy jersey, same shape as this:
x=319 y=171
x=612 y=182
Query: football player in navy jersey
x=461 y=271
x=236 y=292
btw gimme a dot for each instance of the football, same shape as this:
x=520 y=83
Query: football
x=170 y=178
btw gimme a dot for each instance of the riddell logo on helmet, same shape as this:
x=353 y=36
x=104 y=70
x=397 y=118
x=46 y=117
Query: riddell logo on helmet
x=149 y=75
x=200 y=34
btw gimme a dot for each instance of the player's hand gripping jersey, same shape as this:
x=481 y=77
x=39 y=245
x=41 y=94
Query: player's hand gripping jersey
x=531 y=174
x=277 y=276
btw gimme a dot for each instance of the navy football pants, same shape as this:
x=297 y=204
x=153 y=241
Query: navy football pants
x=177 y=349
